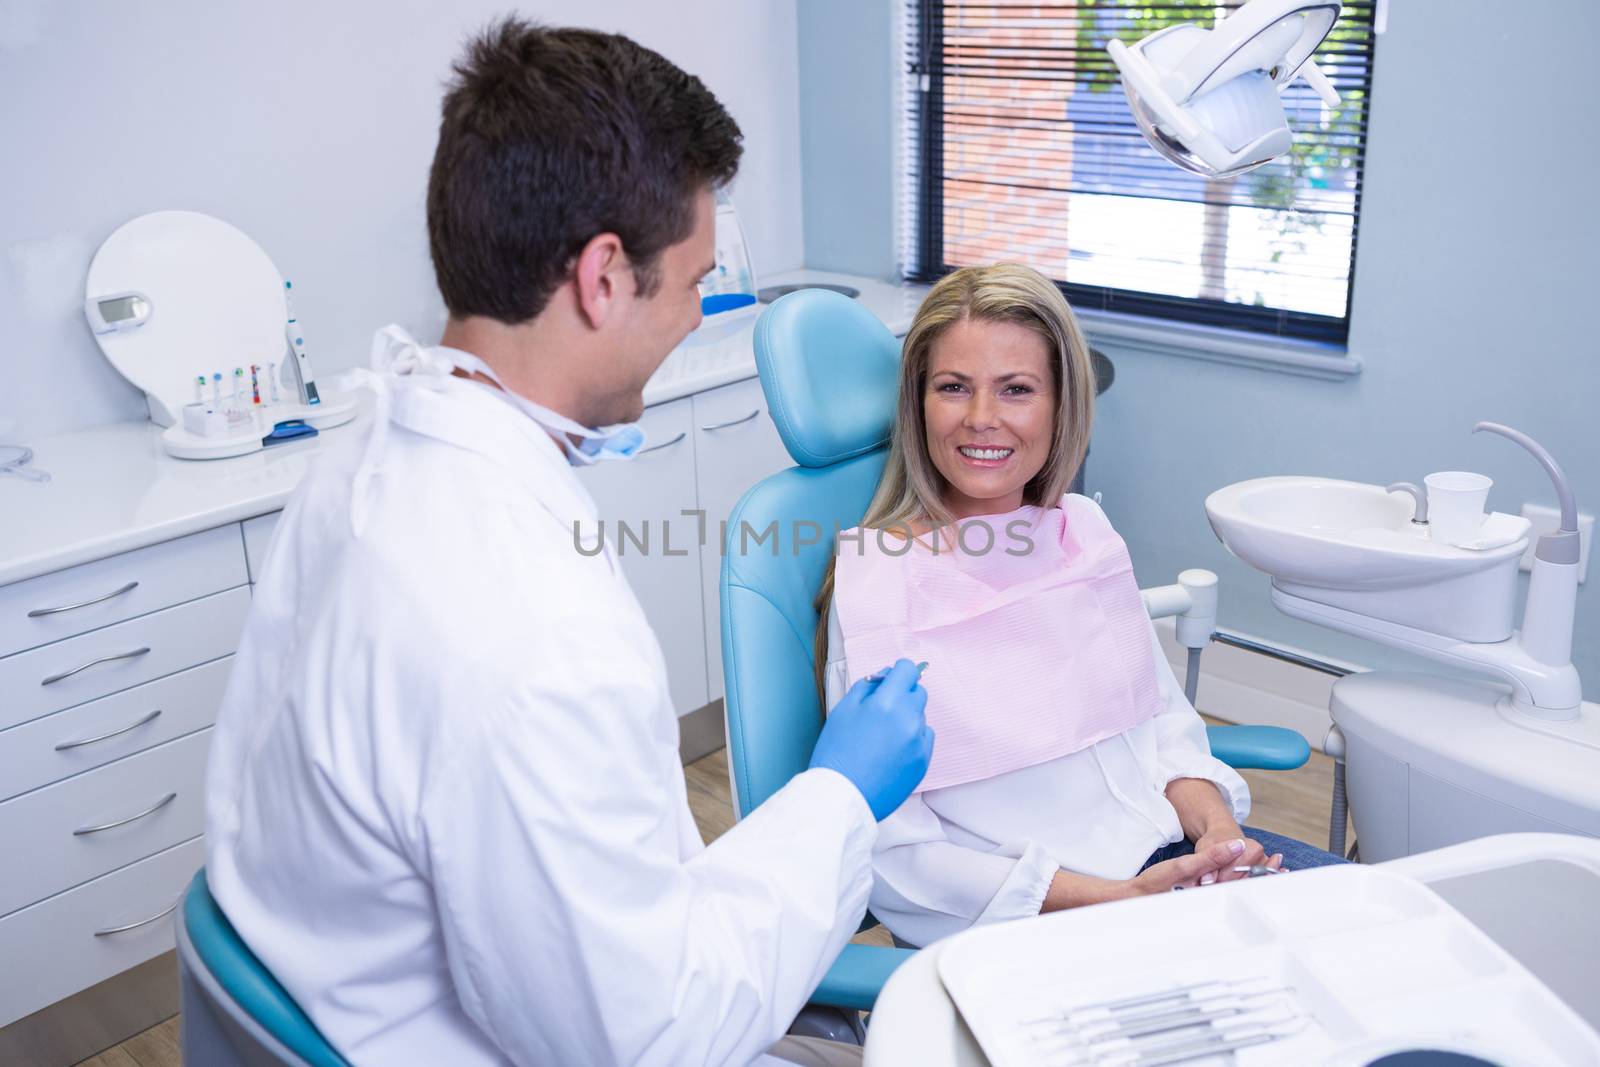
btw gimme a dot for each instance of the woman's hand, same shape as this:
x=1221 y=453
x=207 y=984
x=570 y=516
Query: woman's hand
x=1253 y=855
x=1189 y=871
x=1208 y=820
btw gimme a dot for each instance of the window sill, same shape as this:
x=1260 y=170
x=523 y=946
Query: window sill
x=1309 y=359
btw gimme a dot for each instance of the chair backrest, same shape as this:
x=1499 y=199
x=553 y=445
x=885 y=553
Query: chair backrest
x=234 y=1011
x=829 y=370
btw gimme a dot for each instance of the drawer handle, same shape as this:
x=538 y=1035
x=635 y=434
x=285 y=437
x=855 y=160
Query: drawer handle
x=151 y=810
x=64 y=675
x=162 y=914
x=39 y=613
x=734 y=422
x=665 y=444
x=65 y=745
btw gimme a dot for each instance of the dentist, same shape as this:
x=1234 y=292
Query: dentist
x=446 y=807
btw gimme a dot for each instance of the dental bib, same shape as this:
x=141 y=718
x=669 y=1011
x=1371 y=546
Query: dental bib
x=1037 y=648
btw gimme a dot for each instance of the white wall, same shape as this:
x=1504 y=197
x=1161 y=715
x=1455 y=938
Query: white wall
x=310 y=126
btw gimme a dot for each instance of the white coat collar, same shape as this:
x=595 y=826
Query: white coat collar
x=472 y=416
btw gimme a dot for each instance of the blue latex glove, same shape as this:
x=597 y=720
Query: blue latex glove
x=878 y=738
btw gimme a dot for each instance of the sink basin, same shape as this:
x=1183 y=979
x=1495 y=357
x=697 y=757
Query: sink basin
x=1354 y=546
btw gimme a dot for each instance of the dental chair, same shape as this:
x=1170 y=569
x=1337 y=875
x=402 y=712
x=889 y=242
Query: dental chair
x=235 y=1014
x=829 y=370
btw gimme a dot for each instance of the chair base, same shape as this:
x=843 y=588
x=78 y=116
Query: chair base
x=830 y=1024
x=215 y=1032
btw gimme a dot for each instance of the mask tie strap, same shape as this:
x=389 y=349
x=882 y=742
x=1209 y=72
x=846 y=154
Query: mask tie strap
x=396 y=356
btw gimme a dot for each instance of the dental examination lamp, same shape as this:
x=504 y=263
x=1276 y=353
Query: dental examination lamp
x=1208 y=100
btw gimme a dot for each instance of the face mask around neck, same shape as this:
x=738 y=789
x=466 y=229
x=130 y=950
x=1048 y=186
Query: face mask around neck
x=592 y=444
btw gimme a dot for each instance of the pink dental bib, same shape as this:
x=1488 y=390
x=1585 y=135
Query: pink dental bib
x=1037 y=647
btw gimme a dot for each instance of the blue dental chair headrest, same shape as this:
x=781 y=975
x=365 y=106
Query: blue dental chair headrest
x=839 y=400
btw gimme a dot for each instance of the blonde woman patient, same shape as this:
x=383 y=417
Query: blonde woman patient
x=1068 y=768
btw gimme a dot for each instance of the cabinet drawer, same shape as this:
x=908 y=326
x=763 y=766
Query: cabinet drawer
x=79 y=739
x=115 y=658
x=80 y=599
x=92 y=824
x=257 y=539
x=51 y=951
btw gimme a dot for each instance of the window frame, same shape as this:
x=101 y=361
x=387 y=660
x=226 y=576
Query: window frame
x=1233 y=332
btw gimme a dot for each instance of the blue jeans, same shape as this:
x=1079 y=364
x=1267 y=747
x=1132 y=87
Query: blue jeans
x=1296 y=854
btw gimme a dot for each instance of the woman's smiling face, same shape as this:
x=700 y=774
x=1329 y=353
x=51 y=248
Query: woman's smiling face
x=989 y=413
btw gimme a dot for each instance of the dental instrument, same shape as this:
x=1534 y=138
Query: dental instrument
x=1219 y=1041
x=1208 y=100
x=255 y=384
x=216 y=389
x=14 y=459
x=1201 y=991
x=856 y=734
x=881 y=675
x=272 y=379
x=299 y=362
x=238 y=388
x=200 y=389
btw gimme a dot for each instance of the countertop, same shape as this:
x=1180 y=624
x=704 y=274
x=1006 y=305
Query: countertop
x=114 y=488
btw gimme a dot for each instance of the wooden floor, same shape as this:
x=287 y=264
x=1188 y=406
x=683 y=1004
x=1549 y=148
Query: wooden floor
x=156 y=1047
x=1294 y=803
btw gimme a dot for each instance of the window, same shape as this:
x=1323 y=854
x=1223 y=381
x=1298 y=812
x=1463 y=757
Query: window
x=1021 y=147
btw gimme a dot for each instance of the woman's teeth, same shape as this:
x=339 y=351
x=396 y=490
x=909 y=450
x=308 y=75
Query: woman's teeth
x=984 y=453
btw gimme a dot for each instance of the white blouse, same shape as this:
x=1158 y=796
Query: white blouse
x=986 y=851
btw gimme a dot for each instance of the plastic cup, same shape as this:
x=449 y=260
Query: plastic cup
x=1456 y=501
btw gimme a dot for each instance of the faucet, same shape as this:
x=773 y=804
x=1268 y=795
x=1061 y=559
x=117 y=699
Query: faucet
x=1419 y=517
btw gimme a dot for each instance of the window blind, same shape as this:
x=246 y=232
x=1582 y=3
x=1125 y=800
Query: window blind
x=1020 y=146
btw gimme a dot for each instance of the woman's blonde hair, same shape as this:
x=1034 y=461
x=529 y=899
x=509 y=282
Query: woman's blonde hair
x=911 y=490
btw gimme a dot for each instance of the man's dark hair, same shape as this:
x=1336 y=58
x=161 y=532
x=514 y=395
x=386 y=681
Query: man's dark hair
x=552 y=136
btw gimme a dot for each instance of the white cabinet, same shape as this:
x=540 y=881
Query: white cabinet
x=82 y=668
x=92 y=824
x=641 y=504
x=101 y=731
x=736 y=446
x=113 y=677
x=125 y=586
x=703 y=452
x=257 y=539
x=74 y=939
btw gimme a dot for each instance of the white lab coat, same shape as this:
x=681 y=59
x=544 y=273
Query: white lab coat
x=986 y=851
x=445 y=803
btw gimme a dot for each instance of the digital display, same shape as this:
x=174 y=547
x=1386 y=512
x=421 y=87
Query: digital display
x=123 y=307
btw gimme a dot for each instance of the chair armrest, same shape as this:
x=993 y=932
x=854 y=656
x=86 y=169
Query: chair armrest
x=857 y=975
x=1270 y=748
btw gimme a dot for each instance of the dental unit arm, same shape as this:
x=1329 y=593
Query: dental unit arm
x=1547 y=617
x=1193 y=599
